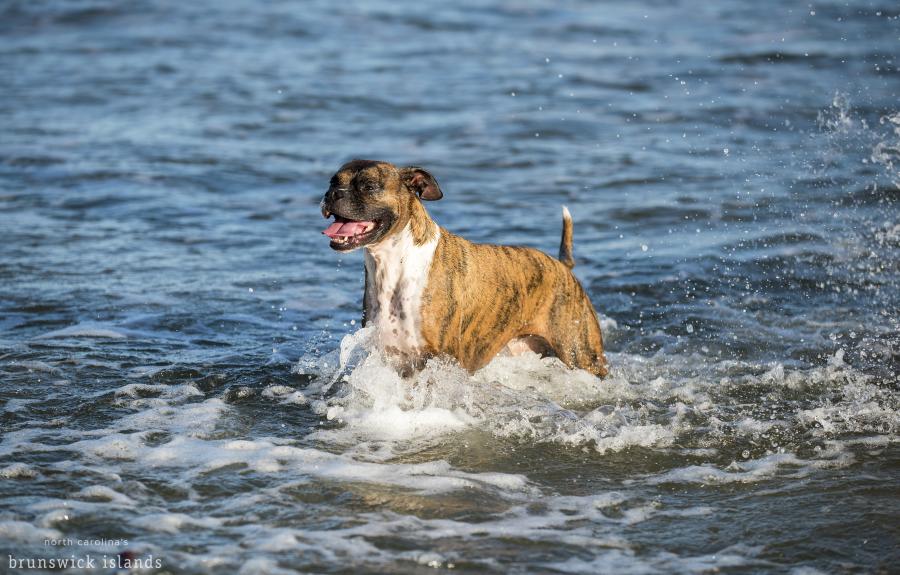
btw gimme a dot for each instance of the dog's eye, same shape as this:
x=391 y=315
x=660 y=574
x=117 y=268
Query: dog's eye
x=368 y=187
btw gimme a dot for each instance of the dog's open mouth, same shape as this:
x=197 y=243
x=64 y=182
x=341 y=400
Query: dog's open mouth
x=347 y=234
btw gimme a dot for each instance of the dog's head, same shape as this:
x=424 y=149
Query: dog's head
x=371 y=201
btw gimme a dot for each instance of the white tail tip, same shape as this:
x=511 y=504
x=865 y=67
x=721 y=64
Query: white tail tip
x=566 y=214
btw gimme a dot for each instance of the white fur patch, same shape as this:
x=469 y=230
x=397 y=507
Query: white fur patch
x=396 y=273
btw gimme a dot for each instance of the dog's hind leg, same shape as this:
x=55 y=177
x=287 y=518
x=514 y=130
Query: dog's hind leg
x=574 y=334
x=529 y=343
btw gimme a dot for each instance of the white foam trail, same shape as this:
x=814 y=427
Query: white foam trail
x=23 y=532
x=591 y=522
x=174 y=522
x=104 y=493
x=377 y=425
x=627 y=563
x=18 y=471
x=192 y=457
x=744 y=472
x=646 y=402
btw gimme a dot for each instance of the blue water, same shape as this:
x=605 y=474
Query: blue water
x=171 y=316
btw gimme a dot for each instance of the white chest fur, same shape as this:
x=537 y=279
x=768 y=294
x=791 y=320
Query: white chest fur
x=396 y=275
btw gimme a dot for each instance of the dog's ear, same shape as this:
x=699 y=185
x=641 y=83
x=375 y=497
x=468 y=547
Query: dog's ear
x=421 y=182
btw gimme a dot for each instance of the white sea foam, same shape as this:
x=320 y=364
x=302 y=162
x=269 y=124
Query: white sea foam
x=18 y=471
x=104 y=493
x=744 y=472
x=646 y=402
x=196 y=419
x=195 y=457
x=374 y=419
x=263 y=566
x=39 y=366
x=285 y=394
x=174 y=522
x=24 y=532
x=86 y=330
x=626 y=562
x=592 y=523
x=16 y=404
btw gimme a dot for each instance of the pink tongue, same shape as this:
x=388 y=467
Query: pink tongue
x=345 y=229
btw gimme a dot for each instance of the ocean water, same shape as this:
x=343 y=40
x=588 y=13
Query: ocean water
x=182 y=372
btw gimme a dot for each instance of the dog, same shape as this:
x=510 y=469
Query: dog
x=430 y=293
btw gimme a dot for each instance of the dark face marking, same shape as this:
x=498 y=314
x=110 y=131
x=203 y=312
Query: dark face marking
x=362 y=190
x=370 y=191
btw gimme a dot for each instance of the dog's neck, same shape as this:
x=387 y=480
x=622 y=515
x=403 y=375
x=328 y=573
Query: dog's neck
x=401 y=249
x=396 y=275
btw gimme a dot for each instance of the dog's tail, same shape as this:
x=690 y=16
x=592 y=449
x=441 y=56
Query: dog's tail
x=565 y=244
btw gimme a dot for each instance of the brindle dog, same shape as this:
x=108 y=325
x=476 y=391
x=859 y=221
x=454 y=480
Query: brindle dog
x=430 y=293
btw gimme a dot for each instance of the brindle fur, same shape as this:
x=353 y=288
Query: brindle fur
x=478 y=297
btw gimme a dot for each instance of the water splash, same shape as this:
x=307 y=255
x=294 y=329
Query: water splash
x=887 y=152
x=848 y=133
x=658 y=402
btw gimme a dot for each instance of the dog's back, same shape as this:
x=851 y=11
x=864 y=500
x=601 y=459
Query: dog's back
x=480 y=297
